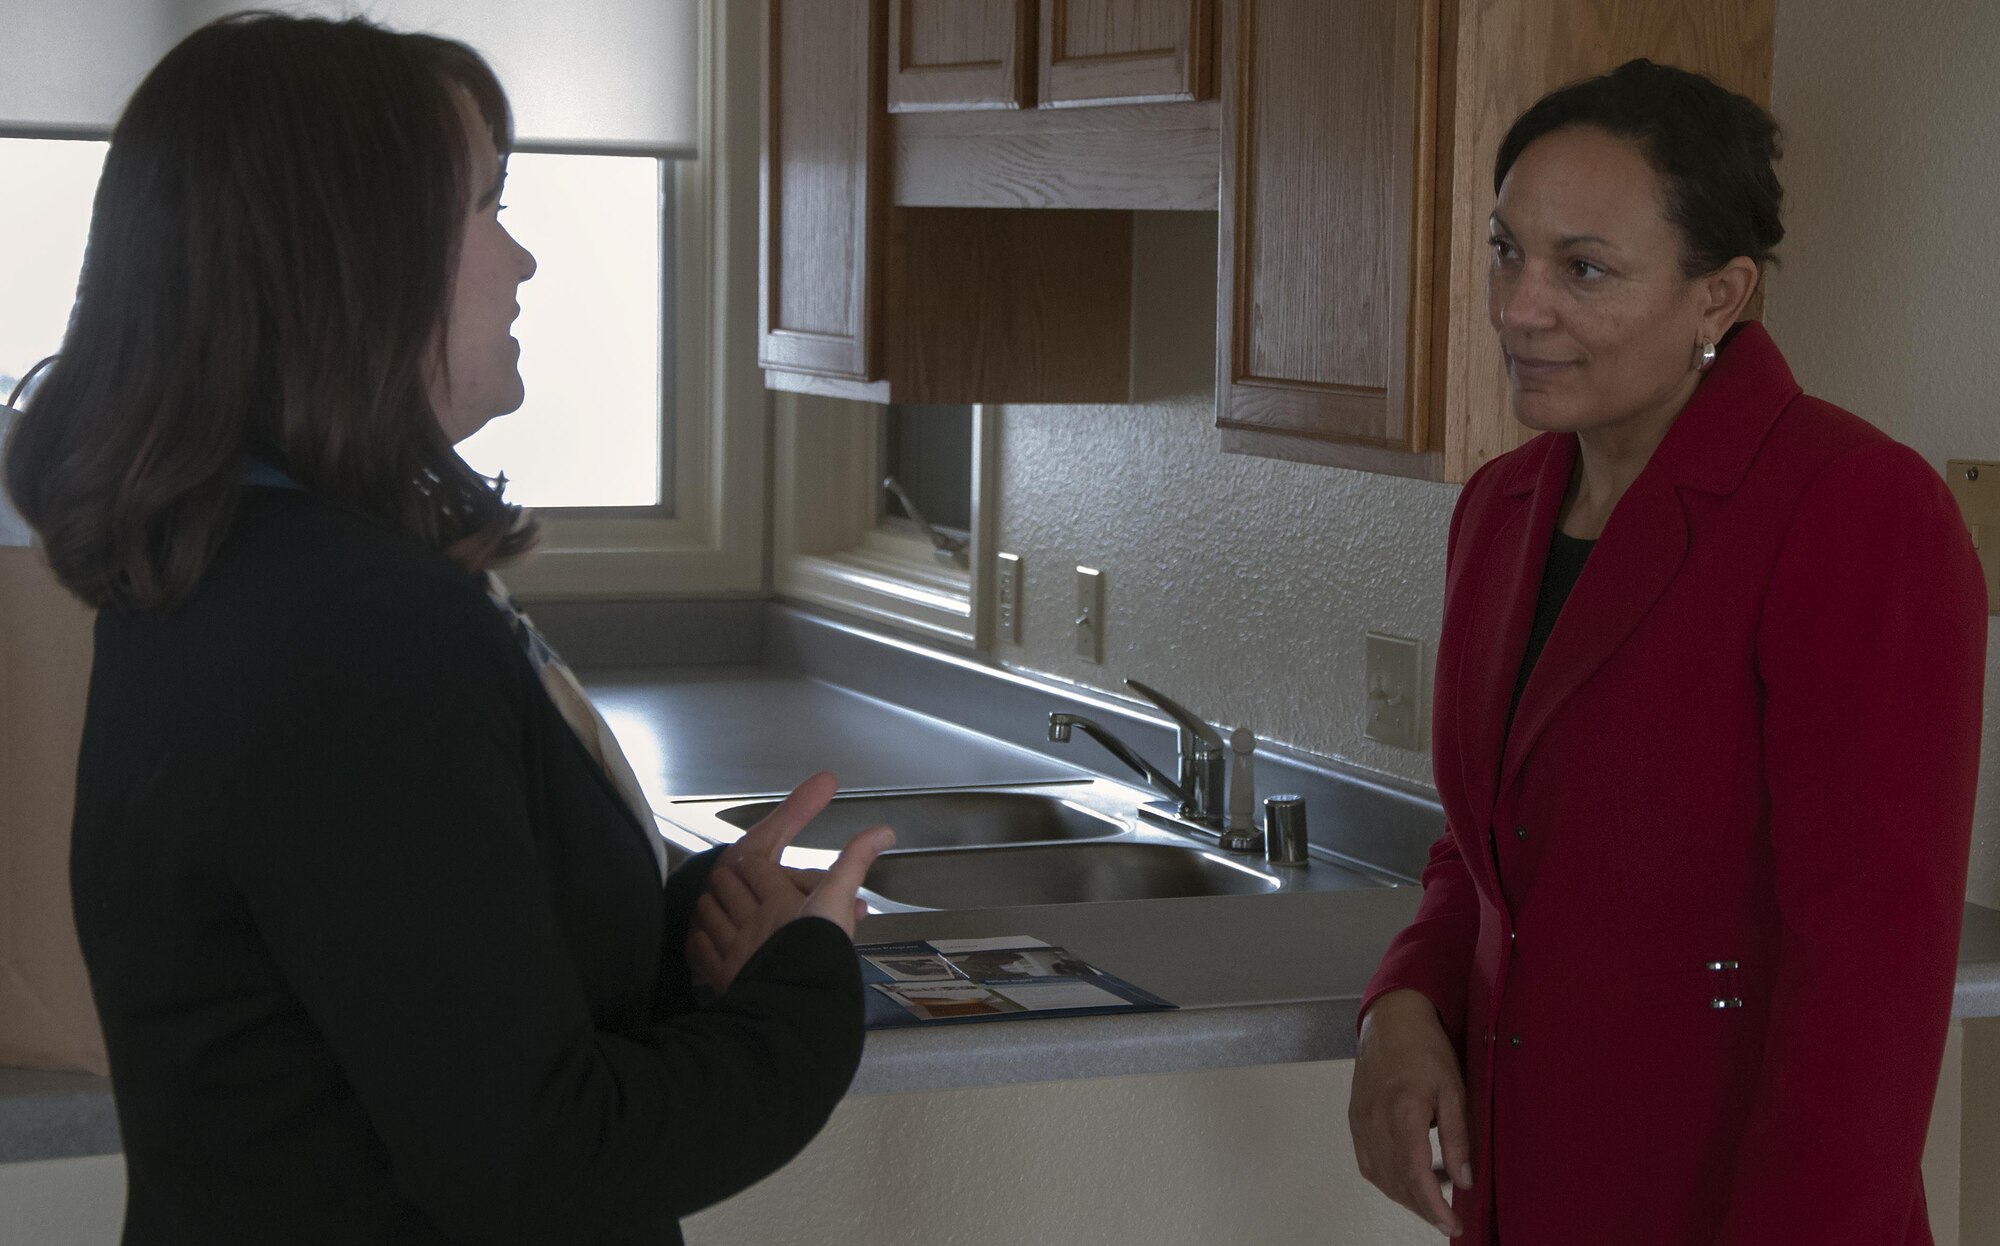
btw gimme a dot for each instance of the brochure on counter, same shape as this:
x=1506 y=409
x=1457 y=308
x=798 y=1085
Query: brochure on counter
x=1011 y=978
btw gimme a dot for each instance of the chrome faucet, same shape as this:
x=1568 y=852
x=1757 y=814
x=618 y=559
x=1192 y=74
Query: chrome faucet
x=1198 y=792
x=1059 y=728
x=1202 y=756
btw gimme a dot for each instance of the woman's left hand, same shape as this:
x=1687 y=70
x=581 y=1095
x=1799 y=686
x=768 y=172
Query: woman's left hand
x=751 y=896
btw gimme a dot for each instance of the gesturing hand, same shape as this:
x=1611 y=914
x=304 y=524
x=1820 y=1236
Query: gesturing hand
x=750 y=896
x=1406 y=1079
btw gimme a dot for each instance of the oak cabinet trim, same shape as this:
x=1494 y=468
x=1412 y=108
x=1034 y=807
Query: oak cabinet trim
x=1144 y=156
x=1354 y=456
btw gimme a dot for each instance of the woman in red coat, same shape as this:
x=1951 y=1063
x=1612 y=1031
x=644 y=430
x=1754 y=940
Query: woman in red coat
x=1708 y=702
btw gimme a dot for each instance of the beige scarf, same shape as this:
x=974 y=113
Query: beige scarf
x=589 y=725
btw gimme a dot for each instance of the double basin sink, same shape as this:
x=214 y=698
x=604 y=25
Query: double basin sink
x=1051 y=843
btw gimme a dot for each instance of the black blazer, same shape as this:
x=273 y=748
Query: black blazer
x=380 y=955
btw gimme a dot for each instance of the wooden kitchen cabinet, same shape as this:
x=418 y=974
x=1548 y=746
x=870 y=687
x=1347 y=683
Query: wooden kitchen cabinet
x=961 y=54
x=1357 y=145
x=1125 y=51
x=862 y=299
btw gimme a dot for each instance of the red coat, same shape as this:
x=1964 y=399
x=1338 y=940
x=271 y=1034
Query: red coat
x=1752 y=741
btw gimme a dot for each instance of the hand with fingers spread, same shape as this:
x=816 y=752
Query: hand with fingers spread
x=750 y=896
x=1407 y=1080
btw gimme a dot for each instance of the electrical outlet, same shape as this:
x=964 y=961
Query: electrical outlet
x=1393 y=691
x=1090 y=614
x=1007 y=591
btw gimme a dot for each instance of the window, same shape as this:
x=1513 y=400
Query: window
x=844 y=540
x=927 y=452
x=592 y=328
x=643 y=438
x=593 y=323
x=46 y=188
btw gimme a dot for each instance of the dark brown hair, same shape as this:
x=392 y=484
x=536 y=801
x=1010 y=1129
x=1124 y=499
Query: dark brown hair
x=268 y=274
x=1712 y=148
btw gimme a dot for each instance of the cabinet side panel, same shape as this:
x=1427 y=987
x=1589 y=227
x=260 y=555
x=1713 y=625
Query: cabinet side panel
x=818 y=192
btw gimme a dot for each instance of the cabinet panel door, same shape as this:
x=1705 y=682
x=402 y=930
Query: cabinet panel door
x=822 y=158
x=1326 y=175
x=951 y=54
x=1125 y=51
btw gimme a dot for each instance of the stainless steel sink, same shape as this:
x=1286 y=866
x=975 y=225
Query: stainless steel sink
x=983 y=878
x=1044 y=843
x=946 y=819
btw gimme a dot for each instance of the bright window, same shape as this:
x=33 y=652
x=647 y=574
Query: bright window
x=46 y=187
x=592 y=324
x=592 y=330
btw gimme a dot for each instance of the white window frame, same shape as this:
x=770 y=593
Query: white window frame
x=713 y=542
x=830 y=546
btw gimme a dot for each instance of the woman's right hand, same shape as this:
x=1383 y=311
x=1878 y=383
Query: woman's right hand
x=1406 y=1079
x=750 y=896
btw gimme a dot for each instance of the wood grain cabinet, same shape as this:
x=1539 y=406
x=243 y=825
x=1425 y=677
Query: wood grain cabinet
x=862 y=298
x=1357 y=146
x=961 y=54
x=1125 y=51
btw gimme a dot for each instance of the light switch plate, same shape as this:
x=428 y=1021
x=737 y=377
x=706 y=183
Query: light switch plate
x=1976 y=485
x=1090 y=614
x=1393 y=712
x=1007 y=589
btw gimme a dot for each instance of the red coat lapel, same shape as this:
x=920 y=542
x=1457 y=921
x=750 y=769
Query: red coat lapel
x=1501 y=587
x=1634 y=561
x=1709 y=449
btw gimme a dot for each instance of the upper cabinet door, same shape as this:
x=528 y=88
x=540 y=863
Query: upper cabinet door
x=1125 y=51
x=823 y=133
x=953 y=54
x=1327 y=170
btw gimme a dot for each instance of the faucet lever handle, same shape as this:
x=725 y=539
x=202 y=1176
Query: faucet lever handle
x=1191 y=728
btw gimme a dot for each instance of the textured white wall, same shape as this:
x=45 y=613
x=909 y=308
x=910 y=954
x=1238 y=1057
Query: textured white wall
x=1240 y=586
x=1888 y=298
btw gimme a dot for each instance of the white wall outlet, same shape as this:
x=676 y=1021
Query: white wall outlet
x=1090 y=614
x=1007 y=592
x=1394 y=694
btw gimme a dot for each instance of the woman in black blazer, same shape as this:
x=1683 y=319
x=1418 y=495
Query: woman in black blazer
x=377 y=931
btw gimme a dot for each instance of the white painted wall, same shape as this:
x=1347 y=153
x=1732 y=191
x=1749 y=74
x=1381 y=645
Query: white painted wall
x=1238 y=1156
x=1888 y=299
x=1243 y=586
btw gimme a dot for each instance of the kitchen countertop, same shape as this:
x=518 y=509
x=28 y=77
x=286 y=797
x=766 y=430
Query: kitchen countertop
x=1259 y=979
x=741 y=730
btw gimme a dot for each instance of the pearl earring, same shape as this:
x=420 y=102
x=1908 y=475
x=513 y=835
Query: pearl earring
x=1704 y=356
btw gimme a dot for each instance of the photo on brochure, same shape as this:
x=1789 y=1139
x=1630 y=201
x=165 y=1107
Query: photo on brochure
x=947 y=1000
x=1001 y=964
x=914 y=966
